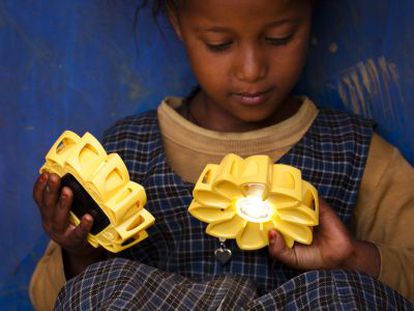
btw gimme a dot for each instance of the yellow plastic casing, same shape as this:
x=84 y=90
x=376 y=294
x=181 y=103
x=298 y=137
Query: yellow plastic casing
x=243 y=199
x=106 y=179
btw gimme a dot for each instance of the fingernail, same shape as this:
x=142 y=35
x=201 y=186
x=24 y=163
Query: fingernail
x=272 y=237
x=52 y=179
x=63 y=194
x=63 y=198
x=43 y=178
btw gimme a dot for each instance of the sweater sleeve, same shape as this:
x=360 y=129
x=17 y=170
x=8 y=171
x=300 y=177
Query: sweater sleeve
x=47 y=279
x=384 y=214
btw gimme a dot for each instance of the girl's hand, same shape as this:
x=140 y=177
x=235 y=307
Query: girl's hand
x=333 y=247
x=54 y=206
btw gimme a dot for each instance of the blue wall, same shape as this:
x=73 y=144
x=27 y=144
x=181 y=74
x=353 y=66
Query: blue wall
x=79 y=65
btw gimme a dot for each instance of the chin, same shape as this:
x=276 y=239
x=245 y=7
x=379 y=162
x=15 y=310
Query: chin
x=255 y=119
x=255 y=115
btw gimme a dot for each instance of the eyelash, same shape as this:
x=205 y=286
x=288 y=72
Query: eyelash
x=224 y=46
x=218 y=47
x=279 y=41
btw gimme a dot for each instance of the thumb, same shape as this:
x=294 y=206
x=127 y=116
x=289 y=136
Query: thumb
x=278 y=249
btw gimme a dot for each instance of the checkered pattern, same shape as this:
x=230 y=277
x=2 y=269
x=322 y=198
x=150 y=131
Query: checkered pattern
x=331 y=156
x=121 y=284
x=175 y=268
x=331 y=290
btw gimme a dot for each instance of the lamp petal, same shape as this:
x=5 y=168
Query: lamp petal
x=299 y=214
x=211 y=198
x=287 y=180
x=228 y=229
x=228 y=189
x=210 y=214
x=299 y=233
x=252 y=237
x=280 y=201
x=288 y=241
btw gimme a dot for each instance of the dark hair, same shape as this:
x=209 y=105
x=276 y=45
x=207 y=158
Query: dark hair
x=157 y=6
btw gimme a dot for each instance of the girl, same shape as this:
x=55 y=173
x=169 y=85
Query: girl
x=247 y=56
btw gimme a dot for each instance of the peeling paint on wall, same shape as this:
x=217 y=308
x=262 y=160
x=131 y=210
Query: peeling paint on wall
x=36 y=48
x=130 y=78
x=373 y=82
x=333 y=48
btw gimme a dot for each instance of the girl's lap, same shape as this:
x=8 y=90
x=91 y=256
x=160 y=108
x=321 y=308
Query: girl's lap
x=120 y=284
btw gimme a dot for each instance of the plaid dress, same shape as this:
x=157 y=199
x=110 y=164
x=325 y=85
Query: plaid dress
x=175 y=266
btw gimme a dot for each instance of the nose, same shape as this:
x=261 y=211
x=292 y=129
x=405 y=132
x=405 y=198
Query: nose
x=250 y=65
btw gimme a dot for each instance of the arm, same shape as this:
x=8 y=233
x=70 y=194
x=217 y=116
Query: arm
x=382 y=243
x=384 y=214
x=48 y=277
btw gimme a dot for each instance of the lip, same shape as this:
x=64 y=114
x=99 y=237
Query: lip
x=251 y=98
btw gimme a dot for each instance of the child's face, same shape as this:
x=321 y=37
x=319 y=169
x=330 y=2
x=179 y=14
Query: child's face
x=246 y=54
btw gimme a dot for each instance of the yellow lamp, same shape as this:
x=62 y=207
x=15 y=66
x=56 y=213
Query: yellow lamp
x=243 y=199
x=102 y=188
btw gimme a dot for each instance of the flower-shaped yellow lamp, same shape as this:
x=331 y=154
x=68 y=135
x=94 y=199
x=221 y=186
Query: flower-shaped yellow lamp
x=243 y=199
x=102 y=188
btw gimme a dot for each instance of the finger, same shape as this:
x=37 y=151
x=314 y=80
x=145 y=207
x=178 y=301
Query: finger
x=328 y=219
x=51 y=193
x=38 y=189
x=79 y=234
x=279 y=250
x=324 y=208
x=326 y=211
x=61 y=215
x=331 y=232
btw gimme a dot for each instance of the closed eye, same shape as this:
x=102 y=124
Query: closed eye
x=279 y=41
x=218 y=47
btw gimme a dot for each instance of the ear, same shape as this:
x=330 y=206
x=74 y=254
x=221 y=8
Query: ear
x=174 y=21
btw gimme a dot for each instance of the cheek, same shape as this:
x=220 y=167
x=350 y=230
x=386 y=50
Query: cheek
x=210 y=71
x=294 y=55
x=287 y=66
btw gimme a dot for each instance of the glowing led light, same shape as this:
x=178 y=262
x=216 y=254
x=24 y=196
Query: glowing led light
x=243 y=199
x=253 y=209
x=254 y=189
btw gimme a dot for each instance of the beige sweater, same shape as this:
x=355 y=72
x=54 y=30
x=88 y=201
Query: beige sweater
x=384 y=213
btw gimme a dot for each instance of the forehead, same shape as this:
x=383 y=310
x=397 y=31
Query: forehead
x=244 y=10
